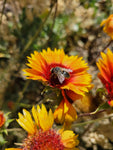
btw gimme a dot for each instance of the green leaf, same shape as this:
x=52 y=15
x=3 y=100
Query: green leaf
x=8 y=122
x=4 y=131
x=101 y=107
x=2 y=140
x=100 y=90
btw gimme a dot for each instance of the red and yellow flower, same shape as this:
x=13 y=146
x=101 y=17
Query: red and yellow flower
x=108 y=26
x=105 y=66
x=59 y=70
x=2 y=119
x=44 y=137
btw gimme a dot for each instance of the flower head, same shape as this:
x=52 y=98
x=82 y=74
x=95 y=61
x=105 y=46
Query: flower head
x=2 y=119
x=44 y=137
x=105 y=66
x=59 y=70
x=108 y=26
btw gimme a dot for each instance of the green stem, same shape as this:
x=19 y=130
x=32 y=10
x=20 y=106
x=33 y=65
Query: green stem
x=91 y=121
x=21 y=95
x=91 y=114
x=36 y=34
x=24 y=89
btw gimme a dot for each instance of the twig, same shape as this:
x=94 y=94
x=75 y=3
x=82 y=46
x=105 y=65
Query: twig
x=21 y=95
x=36 y=34
x=91 y=114
x=54 y=17
x=24 y=89
x=2 y=11
x=101 y=51
x=91 y=121
x=14 y=129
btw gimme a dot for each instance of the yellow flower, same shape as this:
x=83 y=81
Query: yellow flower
x=69 y=139
x=59 y=70
x=44 y=137
x=108 y=26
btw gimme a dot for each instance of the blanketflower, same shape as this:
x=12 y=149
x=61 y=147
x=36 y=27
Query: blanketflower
x=59 y=70
x=108 y=26
x=2 y=119
x=105 y=66
x=44 y=137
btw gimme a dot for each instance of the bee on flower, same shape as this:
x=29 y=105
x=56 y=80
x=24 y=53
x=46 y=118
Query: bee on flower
x=59 y=70
x=41 y=136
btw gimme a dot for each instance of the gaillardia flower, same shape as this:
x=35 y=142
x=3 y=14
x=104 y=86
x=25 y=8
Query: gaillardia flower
x=2 y=119
x=105 y=66
x=108 y=26
x=44 y=137
x=59 y=70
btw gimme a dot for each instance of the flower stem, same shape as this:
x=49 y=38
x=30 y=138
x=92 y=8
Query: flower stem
x=91 y=114
x=101 y=51
x=91 y=121
x=36 y=34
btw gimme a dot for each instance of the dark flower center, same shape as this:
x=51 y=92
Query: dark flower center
x=58 y=75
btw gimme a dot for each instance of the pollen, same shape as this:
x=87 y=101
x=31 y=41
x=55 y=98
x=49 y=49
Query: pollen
x=48 y=140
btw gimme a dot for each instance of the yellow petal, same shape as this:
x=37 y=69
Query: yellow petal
x=69 y=139
x=65 y=113
x=35 y=115
x=26 y=122
x=13 y=149
x=45 y=119
x=59 y=113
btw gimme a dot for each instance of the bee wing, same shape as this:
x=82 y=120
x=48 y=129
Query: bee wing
x=67 y=70
x=61 y=78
